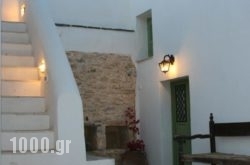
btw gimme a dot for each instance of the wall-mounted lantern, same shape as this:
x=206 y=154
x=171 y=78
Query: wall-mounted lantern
x=166 y=62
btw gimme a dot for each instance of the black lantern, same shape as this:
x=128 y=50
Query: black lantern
x=166 y=62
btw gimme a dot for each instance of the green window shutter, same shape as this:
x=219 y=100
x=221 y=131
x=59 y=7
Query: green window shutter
x=150 y=37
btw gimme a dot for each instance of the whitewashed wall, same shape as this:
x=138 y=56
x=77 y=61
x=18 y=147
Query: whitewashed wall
x=108 y=13
x=210 y=40
x=98 y=13
x=92 y=40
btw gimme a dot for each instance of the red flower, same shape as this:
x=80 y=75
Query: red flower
x=136 y=145
x=131 y=122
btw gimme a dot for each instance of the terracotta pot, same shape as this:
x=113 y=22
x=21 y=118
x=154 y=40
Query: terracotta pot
x=134 y=158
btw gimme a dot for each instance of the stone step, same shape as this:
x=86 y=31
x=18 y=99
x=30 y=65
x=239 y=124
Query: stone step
x=19 y=73
x=18 y=27
x=7 y=145
x=16 y=61
x=96 y=160
x=22 y=88
x=25 y=122
x=23 y=105
x=16 y=49
x=13 y=37
x=102 y=162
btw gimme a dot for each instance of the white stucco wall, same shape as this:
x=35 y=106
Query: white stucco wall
x=97 y=13
x=210 y=40
x=108 y=13
x=93 y=40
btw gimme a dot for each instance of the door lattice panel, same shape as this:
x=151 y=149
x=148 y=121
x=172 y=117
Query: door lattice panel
x=181 y=103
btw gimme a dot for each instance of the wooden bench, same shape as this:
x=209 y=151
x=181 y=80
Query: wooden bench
x=216 y=130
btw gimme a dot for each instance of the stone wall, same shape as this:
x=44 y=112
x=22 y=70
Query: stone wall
x=107 y=85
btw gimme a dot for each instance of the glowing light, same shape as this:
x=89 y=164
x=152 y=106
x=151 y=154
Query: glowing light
x=42 y=66
x=22 y=11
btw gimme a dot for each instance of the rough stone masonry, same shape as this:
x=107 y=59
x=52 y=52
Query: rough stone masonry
x=107 y=86
x=106 y=83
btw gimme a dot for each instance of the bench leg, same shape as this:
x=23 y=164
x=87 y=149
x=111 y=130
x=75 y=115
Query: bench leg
x=180 y=152
x=180 y=160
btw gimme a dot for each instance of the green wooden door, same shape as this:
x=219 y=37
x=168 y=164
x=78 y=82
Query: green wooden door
x=180 y=113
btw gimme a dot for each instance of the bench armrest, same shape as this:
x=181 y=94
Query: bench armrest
x=186 y=137
x=181 y=139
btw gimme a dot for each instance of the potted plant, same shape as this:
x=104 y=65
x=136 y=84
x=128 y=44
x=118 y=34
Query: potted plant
x=135 y=155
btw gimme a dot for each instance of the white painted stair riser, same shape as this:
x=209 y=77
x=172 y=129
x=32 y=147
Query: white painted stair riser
x=19 y=73
x=30 y=159
x=14 y=27
x=22 y=88
x=7 y=145
x=17 y=61
x=16 y=49
x=46 y=159
x=12 y=37
x=25 y=122
x=22 y=105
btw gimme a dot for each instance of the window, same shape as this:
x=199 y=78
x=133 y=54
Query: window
x=144 y=29
x=150 y=37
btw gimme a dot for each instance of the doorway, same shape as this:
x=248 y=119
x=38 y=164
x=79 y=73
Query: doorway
x=180 y=107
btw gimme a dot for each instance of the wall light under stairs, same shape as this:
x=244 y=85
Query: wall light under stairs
x=42 y=66
x=22 y=10
x=42 y=70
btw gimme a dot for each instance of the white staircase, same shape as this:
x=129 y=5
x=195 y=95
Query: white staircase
x=23 y=105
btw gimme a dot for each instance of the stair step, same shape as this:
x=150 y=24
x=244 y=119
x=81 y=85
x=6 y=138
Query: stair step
x=22 y=105
x=19 y=73
x=13 y=27
x=22 y=88
x=7 y=145
x=96 y=160
x=15 y=61
x=8 y=158
x=16 y=49
x=13 y=37
x=25 y=122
